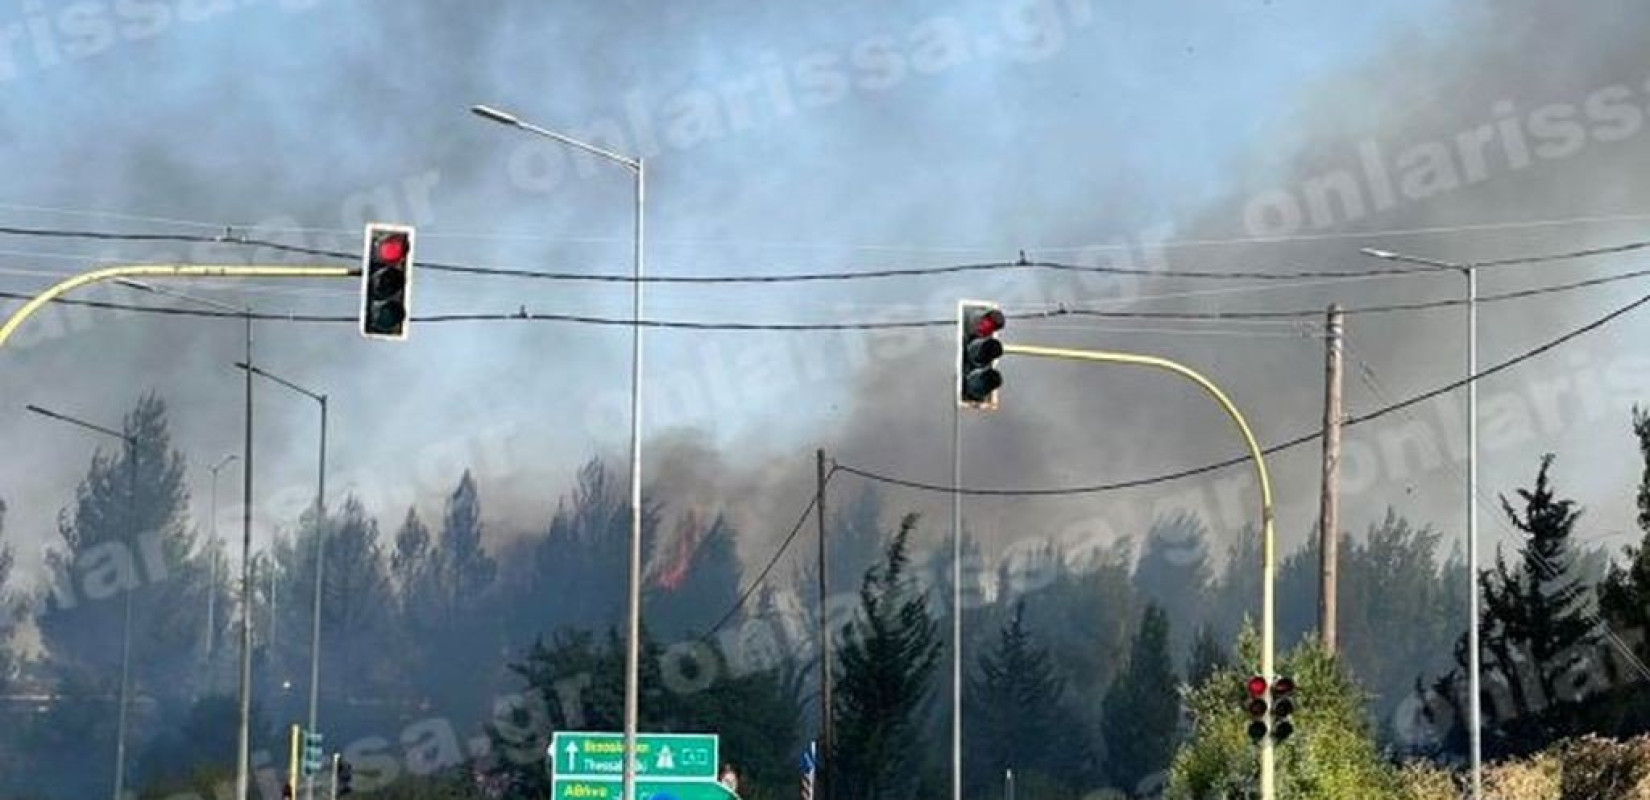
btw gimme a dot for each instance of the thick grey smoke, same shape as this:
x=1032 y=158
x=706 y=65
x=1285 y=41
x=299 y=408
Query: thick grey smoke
x=855 y=136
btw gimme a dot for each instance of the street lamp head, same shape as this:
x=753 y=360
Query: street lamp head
x=1373 y=253
x=495 y=115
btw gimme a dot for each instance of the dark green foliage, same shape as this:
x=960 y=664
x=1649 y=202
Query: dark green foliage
x=695 y=580
x=1331 y=756
x=1535 y=632
x=1209 y=655
x=11 y=610
x=1142 y=708
x=575 y=682
x=1624 y=595
x=573 y=574
x=1016 y=717
x=115 y=542
x=1395 y=612
x=884 y=681
x=445 y=585
x=1173 y=573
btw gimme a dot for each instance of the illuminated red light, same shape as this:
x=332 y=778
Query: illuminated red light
x=1257 y=686
x=392 y=249
x=989 y=323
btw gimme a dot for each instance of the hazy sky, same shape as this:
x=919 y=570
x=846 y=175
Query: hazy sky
x=792 y=137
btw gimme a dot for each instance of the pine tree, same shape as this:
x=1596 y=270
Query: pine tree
x=1142 y=708
x=1173 y=572
x=1016 y=714
x=885 y=675
x=695 y=580
x=10 y=609
x=1209 y=655
x=1534 y=630
x=125 y=533
x=1624 y=596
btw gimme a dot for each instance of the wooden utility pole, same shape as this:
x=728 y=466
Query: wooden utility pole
x=1329 y=522
x=823 y=760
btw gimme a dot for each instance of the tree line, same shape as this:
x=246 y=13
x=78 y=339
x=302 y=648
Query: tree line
x=460 y=649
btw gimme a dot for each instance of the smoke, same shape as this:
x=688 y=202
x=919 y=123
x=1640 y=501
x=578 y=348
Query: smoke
x=805 y=139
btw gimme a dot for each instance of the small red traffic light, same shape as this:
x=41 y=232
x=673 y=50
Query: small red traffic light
x=392 y=248
x=1257 y=686
x=1283 y=686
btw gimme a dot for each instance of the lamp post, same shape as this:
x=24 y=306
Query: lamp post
x=130 y=441
x=243 y=743
x=633 y=644
x=320 y=549
x=1475 y=709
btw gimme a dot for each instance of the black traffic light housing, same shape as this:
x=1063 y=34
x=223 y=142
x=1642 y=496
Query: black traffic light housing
x=386 y=281
x=1280 y=702
x=978 y=380
x=1283 y=705
x=1256 y=707
x=346 y=775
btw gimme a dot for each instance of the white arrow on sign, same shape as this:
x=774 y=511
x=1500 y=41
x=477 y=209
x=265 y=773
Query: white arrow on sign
x=572 y=756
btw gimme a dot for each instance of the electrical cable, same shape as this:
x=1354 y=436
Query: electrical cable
x=1270 y=450
x=745 y=596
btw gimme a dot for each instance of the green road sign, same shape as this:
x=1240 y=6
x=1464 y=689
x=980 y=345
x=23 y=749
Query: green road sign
x=658 y=755
x=605 y=789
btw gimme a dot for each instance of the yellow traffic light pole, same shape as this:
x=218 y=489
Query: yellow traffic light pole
x=243 y=768
x=1268 y=753
x=63 y=287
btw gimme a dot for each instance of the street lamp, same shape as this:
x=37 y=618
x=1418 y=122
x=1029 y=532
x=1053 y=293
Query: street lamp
x=243 y=743
x=1475 y=708
x=633 y=646
x=320 y=551
x=212 y=595
x=130 y=441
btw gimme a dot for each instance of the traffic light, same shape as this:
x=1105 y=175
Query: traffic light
x=312 y=753
x=977 y=377
x=386 y=281
x=1283 y=704
x=286 y=791
x=346 y=774
x=1257 y=708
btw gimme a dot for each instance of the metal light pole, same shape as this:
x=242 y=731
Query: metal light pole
x=1475 y=709
x=320 y=551
x=130 y=441
x=956 y=601
x=633 y=645
x=212 y=596
x=243 y=746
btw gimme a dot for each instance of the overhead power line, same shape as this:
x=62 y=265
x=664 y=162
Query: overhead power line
x=522 y=315
x=231 y=239
x=1275 y=448
x=784 y=545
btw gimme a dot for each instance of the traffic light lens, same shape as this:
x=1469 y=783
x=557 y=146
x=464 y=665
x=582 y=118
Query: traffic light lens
x=1283 y=731
x=387 y=283
x=1257 y=731
x=989 y=323
x=392 y=248
x=1283 y=686
x=1257 y=707
x=984 y=351
x=1285 y=707
x=387 y=316
x=1257 y=686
